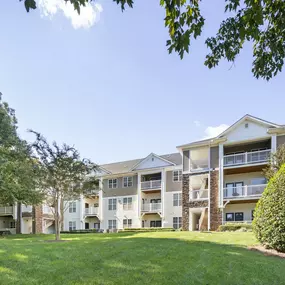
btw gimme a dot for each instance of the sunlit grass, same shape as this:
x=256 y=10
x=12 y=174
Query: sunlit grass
x=141 y=258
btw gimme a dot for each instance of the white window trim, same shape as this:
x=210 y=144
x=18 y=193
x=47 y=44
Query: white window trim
x=113 y=222
x=72 y=205
x=179 y=175
x=73 y=225
x=112 y=179
x=127 y=225
x=177 y=222
x=112 y=204
x=179 y=194
x=129 y=178
x=127 y=204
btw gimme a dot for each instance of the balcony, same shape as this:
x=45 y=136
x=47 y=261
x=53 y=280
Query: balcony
x=151 y=207
x=94 y=192
x=199 y=194
x=27 y=209
x=247 y=191
x=48 y=210
x=6 y=211
x=246 y=158
x=199 y=165
x=92 y=211
x=151 y=185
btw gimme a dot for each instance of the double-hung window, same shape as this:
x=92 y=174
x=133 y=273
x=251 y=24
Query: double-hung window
x=127 y=181
x=113 y=183
x=127 y=203
x=112 y=204
x=177 y=175
x=72 y=207
x=234 y=217
x=127 y=223
x=177 y=199
x=112 y=224
x=177 y=222
x=72 y=225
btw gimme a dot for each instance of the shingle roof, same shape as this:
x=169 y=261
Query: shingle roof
x=126 y=166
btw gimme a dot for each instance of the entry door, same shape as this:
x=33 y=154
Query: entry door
x=238 y=190
x=86 y=205
x=230 y=189
x=86 y=226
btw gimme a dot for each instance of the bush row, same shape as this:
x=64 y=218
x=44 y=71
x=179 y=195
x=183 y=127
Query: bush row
x=147 y=230
x=234 y=227
x=82 y=231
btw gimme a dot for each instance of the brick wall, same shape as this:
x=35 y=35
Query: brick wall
x=215 y=212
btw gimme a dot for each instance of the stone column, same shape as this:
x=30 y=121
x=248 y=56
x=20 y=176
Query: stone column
x=185 y=202
x=38 y=219
x=215 y=212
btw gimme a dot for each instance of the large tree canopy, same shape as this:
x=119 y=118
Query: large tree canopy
x=18 y=170
x=260 y=22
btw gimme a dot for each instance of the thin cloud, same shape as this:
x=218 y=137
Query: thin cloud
x=197 y=123
x=211 y=132
x=89 y=15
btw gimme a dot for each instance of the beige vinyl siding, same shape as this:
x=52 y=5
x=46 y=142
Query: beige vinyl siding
x=170 y=185
x=120 y=190
x=280 y=140
x=243 y=177
x=214 y=157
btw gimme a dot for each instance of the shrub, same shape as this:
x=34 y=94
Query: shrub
x=82 y=231
x=147 y=230
x=269 y=216
x=232 y=227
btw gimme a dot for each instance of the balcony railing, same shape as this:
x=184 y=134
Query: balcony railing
x=244 y=191
x=199 y=194
x=151 y=207
x=6 y=210
x=48 y=210
x=247 y=157
x=28 y=209
x=198 y=165
x=91 y=211
x=92 y=192
x=149 y=185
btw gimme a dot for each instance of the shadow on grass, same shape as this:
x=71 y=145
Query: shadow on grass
x=134 y=259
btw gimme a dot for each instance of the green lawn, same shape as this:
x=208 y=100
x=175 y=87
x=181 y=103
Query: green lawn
x=141 y=258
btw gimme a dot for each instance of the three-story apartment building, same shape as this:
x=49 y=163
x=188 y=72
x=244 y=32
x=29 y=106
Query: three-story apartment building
x=223 y=176
x=137 y=193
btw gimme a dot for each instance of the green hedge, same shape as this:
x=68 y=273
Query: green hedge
x=269 y=215
x=234 y=227
x=147 y=230
x=81 y=231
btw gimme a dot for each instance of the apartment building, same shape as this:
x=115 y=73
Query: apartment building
x=223 y=176
x=136 y=193
x=26 y=219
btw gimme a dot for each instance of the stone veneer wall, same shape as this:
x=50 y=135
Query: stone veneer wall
x=215 y=212
x=186 y=204
x=38 y=219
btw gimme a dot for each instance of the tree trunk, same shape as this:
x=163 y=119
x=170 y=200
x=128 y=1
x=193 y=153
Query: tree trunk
x=57 y=219
x=61 y=213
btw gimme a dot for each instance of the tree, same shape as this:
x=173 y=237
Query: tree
x=64 y=176
x=260 y=22
x=269 y=216
x=18 y=170
x=276 y=161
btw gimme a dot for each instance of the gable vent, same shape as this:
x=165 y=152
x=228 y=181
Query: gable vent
x=246 y=125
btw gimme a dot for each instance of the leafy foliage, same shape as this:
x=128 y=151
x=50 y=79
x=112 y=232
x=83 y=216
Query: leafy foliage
x=260 y=22
x=232 y=227
x=18 y=170
x=64 y=176
x=276 y=161
x=269 y=217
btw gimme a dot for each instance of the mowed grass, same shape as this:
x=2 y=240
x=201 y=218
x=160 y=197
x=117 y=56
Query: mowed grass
x=140 y=258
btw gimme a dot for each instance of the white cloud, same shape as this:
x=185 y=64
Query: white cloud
x=211 y=132
x=197 y=123
x=89 y=14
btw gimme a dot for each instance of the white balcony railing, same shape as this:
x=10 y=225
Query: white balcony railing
x=247 y=157
x=153 y=184
x=48 y=210
x=91 y=211
x=244 y=191
x=6 y=210
x=151 y=207
x=198 y=165
x=92 y=192
x=199 y=194
x=28 y=209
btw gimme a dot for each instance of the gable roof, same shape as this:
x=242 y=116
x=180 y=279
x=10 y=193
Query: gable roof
x=220 y=137
x=127 y=166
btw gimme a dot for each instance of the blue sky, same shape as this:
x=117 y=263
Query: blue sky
x=112 y=90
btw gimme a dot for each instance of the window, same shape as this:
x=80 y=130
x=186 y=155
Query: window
x=72 y=207
x=177 y=175
x=112 y=224
x=127 y=223
x=177 y=222
x=12 y=224
x=234 y=217
x=155 y=224
x=127 y=182
x=113 y=183
x=72 y=226
x=177 y=199
x=127 y=203
x=230 y=217
x=112 y=206
x=239 y=216
x=97 y=226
